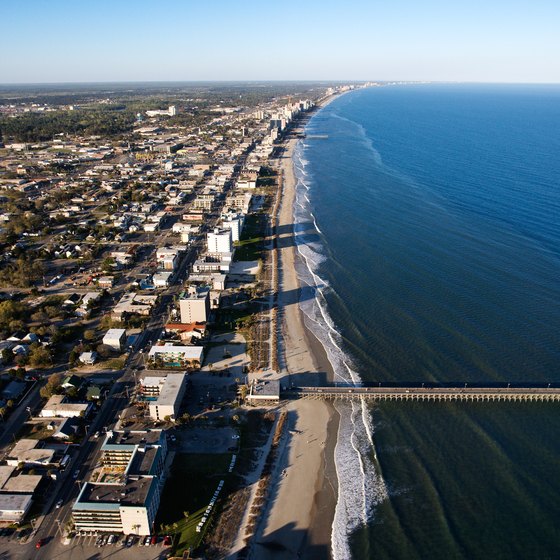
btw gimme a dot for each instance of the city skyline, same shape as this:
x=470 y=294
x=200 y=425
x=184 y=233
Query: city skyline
x=182 y=41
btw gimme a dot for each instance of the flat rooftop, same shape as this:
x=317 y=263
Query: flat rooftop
x=143 y=461
x=151 y=437
x=265 y=390
x=5 y=473
x=171 y=388
x=13 y=502
x=23 y=484
x=133 y=493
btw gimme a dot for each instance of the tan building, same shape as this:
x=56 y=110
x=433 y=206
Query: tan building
x=195 y=305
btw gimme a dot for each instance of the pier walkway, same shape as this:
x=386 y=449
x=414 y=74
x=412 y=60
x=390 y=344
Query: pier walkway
x=464 y=393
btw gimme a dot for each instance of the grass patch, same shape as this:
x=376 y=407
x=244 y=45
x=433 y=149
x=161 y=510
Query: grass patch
x=115 y=363
x=34 y=431
x=193 y=481
x=251 y=244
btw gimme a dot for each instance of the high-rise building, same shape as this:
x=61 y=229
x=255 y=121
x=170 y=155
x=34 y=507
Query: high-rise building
x=195 y=305
x=219 y=241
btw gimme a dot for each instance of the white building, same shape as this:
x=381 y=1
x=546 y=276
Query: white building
x=176 y=356
x=14 y=507
x=169 y=392
x=162 y=279
x=235 y=225
x=116 y=339
x=133 y=463
x=219 y=241
x=55 y=407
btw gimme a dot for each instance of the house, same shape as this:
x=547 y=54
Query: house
x=56 y=407
x=26 y=451
x=88 y=358
x=14 y=390
x=106 y=282
x=162 y=279
x=66 y=429
x=116 y=339
x=71 y=382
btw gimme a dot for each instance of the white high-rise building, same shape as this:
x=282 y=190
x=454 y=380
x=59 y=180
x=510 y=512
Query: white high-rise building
x=219 y=241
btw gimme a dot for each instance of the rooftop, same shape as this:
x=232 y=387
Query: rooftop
x=23 y=484
x=133 y=493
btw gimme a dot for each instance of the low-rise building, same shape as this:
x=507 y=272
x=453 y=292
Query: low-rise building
x=116 y=339
x=57 y=407
x=14 y=507
x=164 y=394
x=264 y=392
x=184 y=357
x=26 y=451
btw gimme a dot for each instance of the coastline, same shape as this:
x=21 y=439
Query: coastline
x=298 y=519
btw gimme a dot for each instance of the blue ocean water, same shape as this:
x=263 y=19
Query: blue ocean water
x=429 y=221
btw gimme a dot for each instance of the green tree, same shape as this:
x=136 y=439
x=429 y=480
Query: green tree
x=52 y=387
x=40 y=356
x=89 y=334
x=7 y=356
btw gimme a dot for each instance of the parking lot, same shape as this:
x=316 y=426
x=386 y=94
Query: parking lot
x=85 y=547
x=207 y=440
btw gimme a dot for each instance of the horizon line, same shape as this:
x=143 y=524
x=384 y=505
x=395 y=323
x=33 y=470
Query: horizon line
x=275 y=81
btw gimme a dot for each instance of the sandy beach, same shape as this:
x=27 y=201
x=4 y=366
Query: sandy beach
x=297 y=522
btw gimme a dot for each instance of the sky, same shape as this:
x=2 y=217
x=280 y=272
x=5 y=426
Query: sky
x=181 y=40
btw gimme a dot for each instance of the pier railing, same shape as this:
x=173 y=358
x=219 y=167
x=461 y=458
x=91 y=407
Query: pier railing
x=426 y=393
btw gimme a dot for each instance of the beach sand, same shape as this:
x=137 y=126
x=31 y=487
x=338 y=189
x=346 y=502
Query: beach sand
x=298 y=519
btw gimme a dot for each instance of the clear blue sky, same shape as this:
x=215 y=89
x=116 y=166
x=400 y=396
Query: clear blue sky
x=140 y=40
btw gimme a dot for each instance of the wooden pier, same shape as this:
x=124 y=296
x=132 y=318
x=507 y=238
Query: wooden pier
x=426 y=393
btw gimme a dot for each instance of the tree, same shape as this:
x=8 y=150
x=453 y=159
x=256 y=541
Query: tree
x=52 y=387
x=40 y=356
x=7 y=356
x=73 y=357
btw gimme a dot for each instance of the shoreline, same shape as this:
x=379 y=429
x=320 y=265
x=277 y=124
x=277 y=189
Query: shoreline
x=298 y=520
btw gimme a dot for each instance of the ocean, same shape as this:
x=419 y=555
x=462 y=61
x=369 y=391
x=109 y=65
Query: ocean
x=428 y=225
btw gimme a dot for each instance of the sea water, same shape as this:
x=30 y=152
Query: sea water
x=428 y=226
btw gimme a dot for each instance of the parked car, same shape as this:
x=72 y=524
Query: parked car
x=130 y=540
x=58 y=504
x=154 y=539
x=167 y=540
x=40 y=543
x=76 y=474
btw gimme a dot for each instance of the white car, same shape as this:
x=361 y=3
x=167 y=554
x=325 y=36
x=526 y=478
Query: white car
x=58 y=504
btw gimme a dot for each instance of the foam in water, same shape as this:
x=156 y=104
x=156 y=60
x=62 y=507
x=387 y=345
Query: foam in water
x=360 y=487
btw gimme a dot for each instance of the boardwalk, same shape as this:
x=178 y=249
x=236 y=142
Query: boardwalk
x=427 y=393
